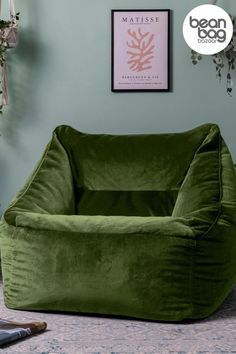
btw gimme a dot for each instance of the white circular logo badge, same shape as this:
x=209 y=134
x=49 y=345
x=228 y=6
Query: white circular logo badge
x=208 y=29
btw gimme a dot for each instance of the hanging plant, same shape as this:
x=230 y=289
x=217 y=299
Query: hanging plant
x=225 y=58
x=8 y=39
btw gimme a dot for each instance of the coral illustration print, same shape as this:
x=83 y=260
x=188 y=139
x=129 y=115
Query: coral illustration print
x=141 y=49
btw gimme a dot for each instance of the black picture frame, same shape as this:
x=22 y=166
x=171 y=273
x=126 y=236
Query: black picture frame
x=134 y=80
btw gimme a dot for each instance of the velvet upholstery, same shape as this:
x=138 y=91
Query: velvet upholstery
x=133 y=225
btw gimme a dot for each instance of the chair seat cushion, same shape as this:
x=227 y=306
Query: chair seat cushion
x=127 y=203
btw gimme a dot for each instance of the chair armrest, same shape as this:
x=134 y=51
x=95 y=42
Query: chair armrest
x=49 y=189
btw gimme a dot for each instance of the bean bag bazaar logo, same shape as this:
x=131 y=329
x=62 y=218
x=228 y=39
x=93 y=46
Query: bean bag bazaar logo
x=208 y=29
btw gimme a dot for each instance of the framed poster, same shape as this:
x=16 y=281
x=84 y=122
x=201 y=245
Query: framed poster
x=140 y=50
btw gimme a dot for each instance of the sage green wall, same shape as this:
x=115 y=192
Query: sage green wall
x=60 y=74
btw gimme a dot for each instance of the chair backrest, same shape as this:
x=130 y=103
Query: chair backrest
x=151 y=162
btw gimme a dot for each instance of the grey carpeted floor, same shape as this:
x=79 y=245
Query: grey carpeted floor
x=75 y=334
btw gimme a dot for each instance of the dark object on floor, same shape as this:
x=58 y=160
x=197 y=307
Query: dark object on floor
x=136 y=225
x=11 y=331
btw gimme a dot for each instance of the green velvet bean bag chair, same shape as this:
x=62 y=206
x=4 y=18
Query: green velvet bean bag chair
x=133 y=225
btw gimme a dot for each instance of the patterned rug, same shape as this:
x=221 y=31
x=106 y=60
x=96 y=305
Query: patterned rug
x=77 y=334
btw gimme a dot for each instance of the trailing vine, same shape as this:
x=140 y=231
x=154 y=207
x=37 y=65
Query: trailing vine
x=225 y=58
x=4 y=45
